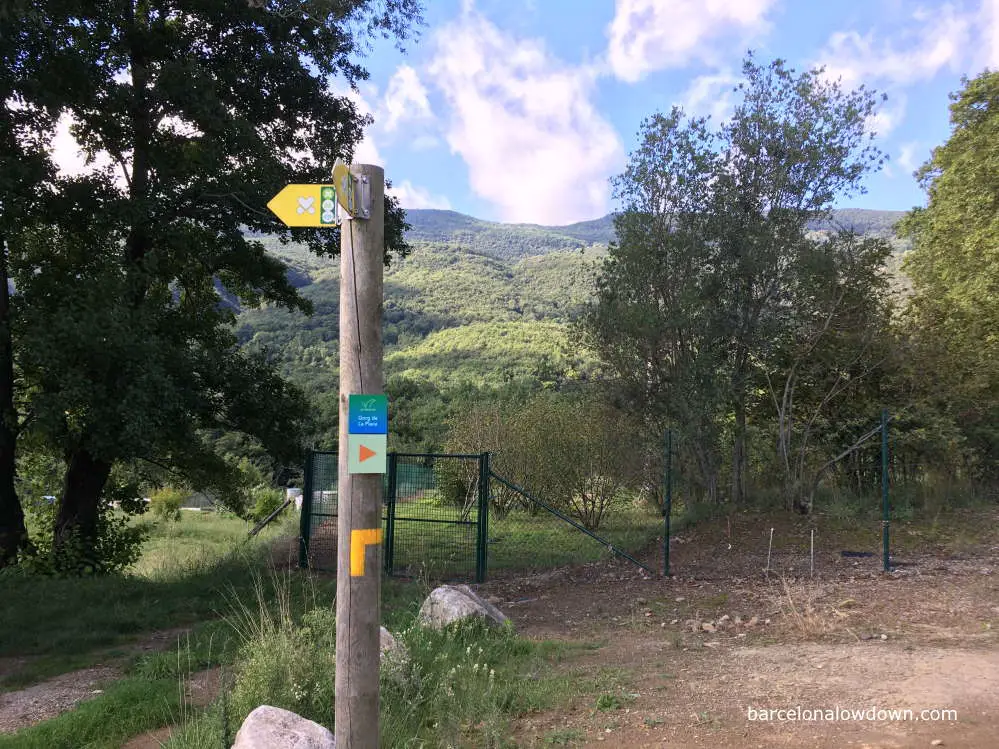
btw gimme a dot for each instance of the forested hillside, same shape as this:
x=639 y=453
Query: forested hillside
x=478 y=305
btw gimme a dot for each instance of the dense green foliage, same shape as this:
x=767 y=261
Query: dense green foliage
x=720 y=301
x=954 y=266
x=116 y=342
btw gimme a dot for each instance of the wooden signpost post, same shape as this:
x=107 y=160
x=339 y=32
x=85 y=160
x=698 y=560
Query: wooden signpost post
x=359 y=192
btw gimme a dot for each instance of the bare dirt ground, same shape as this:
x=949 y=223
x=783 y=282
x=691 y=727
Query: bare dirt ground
x=681 y=661
x=49 y=698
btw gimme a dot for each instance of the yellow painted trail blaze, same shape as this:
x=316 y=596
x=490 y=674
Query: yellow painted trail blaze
x=359 y=541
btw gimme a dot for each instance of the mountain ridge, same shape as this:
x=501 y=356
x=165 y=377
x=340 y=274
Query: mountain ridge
x=510 y=241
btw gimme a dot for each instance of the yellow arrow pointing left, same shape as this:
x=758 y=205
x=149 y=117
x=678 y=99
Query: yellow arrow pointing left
x=305 y=205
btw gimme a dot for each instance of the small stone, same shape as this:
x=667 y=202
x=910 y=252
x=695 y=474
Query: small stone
x=741 y=634
x=884 y=637
x=679 y=599
x=753 y=622
x=641 y=601
x=737 y=621
x=673 y=621
x=766 y=621
x=712 y=644
x=937 y=742
x=648 y=613
x=725 y=618
x=709 y=627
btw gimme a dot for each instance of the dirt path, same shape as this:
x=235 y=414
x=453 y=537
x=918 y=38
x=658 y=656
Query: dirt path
x=689 y=657
x=48 y=699
x=52 y=697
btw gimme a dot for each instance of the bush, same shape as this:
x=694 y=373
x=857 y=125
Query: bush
x=567 y=451
x=265 y=501
x=165 y=503
x=457 y=484
x=288 y=666
x=116 y=547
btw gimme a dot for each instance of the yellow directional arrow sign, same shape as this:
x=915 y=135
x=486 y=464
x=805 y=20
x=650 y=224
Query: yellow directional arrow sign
x=344 y=182
x=305 y=205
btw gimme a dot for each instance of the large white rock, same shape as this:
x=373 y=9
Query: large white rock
x=452 y=603
x=273 y=728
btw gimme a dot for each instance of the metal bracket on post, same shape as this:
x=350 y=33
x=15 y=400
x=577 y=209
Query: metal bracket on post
x=353 y=193
x=362 y=188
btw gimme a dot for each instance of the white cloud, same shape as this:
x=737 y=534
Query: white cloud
x=710 y=95
x=649 y=35
x=411 y=196
x=405 y=98
x=535 y=145
x=908 y=158
x=889 y=116
x=366 y=151
x=933 y=42
x=990 y=32
x=424 y=142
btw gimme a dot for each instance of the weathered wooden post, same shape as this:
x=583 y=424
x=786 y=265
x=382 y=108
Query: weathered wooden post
x=359 y=516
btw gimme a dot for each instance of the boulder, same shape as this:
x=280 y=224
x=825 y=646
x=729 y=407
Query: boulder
x=451 y=603
x=273 y=728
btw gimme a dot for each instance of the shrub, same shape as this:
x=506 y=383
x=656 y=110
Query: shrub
x=117 y=544
x=165 y=503
x=567 y=451
x=265 y=500
x=457 y=484
x=288 y=666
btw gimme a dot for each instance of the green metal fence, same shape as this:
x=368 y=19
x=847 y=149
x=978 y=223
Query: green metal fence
x=448 y=516
x=433 y=511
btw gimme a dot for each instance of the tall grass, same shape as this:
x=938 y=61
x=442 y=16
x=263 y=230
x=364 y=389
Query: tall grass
x=458 y=687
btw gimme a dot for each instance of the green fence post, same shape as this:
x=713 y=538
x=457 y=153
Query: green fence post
x=305 y=522
x=482 y=536
x=668 y=500
x=393 y=463
x=886 y=518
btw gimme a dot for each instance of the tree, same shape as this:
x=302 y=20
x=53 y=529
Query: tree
x=837 y=337
x=24 y=172
x=712 y=244
x=652 y=321
x=794 y=144
x=954 y=267
x=202 y=110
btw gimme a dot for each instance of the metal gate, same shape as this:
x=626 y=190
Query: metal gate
x=436 y=515
x=436 y=519
x=435 y=509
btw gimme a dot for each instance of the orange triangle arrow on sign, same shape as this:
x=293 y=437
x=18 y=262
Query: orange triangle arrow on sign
x=366 y=452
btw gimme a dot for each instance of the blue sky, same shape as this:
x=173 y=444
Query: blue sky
x=522 y=110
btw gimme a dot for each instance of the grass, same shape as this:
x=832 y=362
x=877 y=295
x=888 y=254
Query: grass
x=272 y=635
x=460 y=688
x=435 y=540
x=63 y=624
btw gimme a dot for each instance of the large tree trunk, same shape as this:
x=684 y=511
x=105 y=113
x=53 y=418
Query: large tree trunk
x=78 y=510
x=739 y=460
x=13 y=534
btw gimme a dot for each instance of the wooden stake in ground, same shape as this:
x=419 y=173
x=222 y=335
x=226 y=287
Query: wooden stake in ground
x=359 y=501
